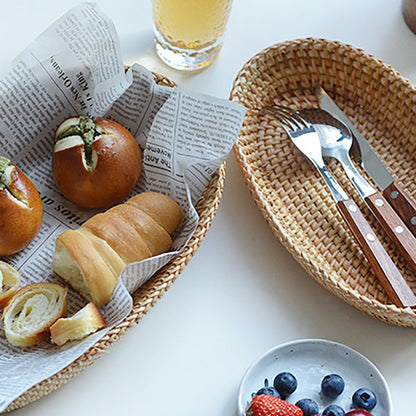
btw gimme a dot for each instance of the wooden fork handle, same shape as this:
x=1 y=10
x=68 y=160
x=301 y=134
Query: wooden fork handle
x=402 y=204
x=394 y=226
x=383 y=266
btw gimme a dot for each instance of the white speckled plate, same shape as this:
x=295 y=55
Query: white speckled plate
x=310 y=360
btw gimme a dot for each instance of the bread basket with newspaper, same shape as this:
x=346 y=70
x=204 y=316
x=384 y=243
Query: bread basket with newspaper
x=185 y=138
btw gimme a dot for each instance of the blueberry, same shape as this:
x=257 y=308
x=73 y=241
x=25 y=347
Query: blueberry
x=285 y=383
x=364 y=398
x=333 y=410
x=309 y=407
x=268 y=391
x=332 y=385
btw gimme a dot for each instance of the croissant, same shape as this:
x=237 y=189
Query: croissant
x=9 y=283
x=86 y=321
x=31 y=311
x=91 y=258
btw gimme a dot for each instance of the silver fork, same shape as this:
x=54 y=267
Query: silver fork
x=305 y=137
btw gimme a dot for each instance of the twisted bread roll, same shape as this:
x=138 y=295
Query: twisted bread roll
x=110 y=257
x=83 y=323
x=9 y=283
x=31 y=311
x=155 y=236
x=164 y=210
x=91 y=258
x=82 y=267
x=120 y=236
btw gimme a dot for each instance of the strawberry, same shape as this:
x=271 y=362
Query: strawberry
x=263 y=405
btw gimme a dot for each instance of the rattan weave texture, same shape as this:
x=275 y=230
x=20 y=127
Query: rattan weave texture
x=287 y=189
x=146 y=296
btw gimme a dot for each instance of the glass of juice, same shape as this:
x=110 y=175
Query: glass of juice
x=409 y=13
x=189 y=33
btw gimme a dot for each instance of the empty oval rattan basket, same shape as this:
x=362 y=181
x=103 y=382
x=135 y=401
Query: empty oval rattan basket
x=288 y=190
x=146 y=296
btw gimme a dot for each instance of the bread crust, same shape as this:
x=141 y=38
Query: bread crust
x=111 y=258
x=118 y=167
x=21 y=213
x=154 y=235
x=99 y=279
x=164 y=210
x=120 y=235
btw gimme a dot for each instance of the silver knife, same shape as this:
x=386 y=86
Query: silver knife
x=364 y=154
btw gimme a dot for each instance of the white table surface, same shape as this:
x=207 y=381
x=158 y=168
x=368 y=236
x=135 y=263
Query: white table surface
x=242 y=293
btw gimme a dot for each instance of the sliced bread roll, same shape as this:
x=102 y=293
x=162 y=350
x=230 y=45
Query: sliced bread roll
x=85 y=322
x=164 y=210
x=31 y=312
x=77 y=262
x=9 y=283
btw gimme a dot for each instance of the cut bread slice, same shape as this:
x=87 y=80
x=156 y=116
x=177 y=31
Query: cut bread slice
x=85 y=322
x=77 y=262
x=153 y=234
x=9 y=283
x=31 y=312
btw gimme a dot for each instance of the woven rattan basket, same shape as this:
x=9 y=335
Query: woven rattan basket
x=146 y=296
x=287 y=189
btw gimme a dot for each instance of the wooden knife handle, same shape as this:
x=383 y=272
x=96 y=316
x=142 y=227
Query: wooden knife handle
x=394 y=226
x=402 y=204
x=381 y=263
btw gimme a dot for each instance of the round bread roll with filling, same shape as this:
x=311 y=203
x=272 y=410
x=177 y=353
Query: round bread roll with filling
x=21 y=209
x=95 y=164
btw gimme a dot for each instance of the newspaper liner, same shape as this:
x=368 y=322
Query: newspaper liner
x=75 y=67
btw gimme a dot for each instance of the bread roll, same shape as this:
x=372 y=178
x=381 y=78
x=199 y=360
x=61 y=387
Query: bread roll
x=154 y=235
x=77 y=262
x=164 y=210
x=97 y=163
x=20 y=209
x=120 y=236
x=31 y=311
x=91 y=258
x=83 y=323
x=9 y=283
x=110 y=257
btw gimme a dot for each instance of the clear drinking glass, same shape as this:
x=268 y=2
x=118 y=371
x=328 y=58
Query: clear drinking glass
x=189 y=33
x=409 y=13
